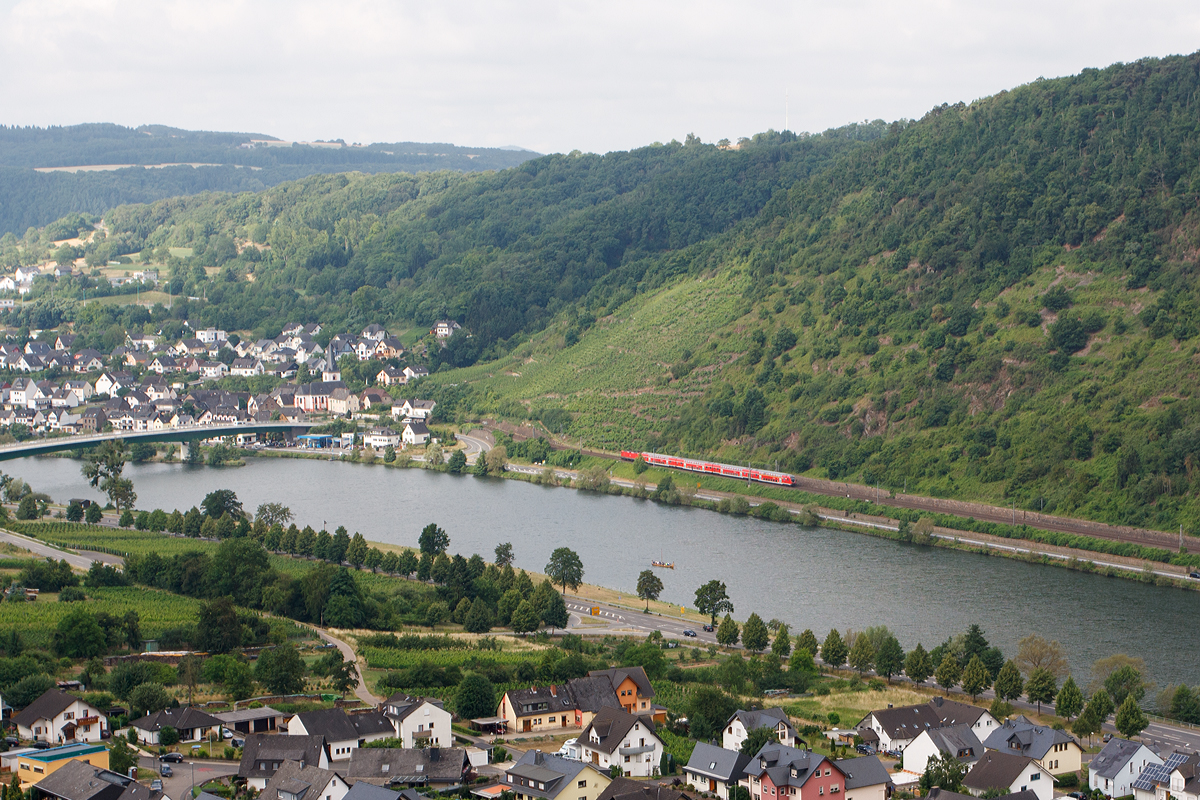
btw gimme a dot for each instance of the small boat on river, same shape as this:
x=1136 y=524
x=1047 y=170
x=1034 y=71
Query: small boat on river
x=663 y=564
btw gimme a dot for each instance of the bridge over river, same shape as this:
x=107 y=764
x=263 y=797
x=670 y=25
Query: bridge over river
x=191 y=433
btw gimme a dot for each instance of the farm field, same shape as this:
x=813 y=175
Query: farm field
x=158 y=611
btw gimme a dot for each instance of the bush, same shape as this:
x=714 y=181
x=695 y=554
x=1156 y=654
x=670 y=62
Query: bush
x=71 y=594
x=94 y=514
x=1068 y=781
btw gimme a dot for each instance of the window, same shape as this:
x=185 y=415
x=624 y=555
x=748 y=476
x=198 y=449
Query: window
x=821 y=790
x=1035 y=776
x=626 y=759
x=581 y=785
x=385 y=767
x=552 y=719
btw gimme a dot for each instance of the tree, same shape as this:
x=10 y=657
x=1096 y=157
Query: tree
x=711 y=599
x=504 y=554
x=220 y=503
x=1185 y=706
x=121 y=756
x=1102 y=668
x=1126 y=681
x=356 y=552
x=1101 y=703
x=433 y=540
x=918 y=666
x=281 y=670
x=344 y=677
x=727 y=632
x=975 y=677
x=565 y=568
x=476 y=697
x=74 y=511
x=782 y=645
x=168 y=736
x=1130 y=719
x=27 y=508
x=1041 y=687
x=974 y=644
x=495 y=459
x=708 y=709
x=756 y=740
x=834 y=650
x=1009 y=683
x=103 y=466
x=1034 y=652
x=217 y=627
x=148 y=698
x=808 y=641
x=944 y=771
x=889 y=660
x=479 y=618
x=948 y=672
x=1087 y=724
x=862 y=654
x=79 y=635
x=94 y=514
x=1070 y=699
x=755 y=635
x=274 y=514
x=525 y=619
x=649 y=586
x=457 y=462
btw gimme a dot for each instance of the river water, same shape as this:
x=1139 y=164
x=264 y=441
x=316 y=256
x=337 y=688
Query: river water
x=808 y=577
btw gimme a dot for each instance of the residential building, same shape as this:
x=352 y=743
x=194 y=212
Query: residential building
x=435 y=767
x=715 y=770
x=212 y=336
x=1114 y=769
x=247 y=367
x=419 y=721
x=262 y=756
x=738 y=727
x=414 y=409
x=315 y=396
x=1057 y=751
x=894 y=728
x=445 y=328
x=412 y=373
x=212 y=370
x=414 y=432
x=342 y=732
x=542 y=776
x=776 y=771
x=1177 y=778
x=1008 y=773
x=866 y=778
x=615 y=736
x=35 y=766
x=192 y=724
x=76 y=780
x=343 y=402
x=634 y=691
x=296 y=781
x=391 y=376
x=629 y=789
x=957 y=741
x=539 y=708
x=263 y=719
x=369 y=791
x=373 y=332
x=60 y=717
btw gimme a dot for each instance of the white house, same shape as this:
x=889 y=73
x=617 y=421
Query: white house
x=382 y=438
x=415 y=409
x=212 y=336
x=1114 y=769
x=419 y=721
x=1008 y=773
x=615 y=736
x=59 y=717
x=414 y=433
x=412 y=373
x=894 y=728
x=1174 y=779
x=715 y=770
x=296 y=781
x=343 y=732
x=192 y=724
x=958 y=741
x=738 y=727
x=445 y=328
x=247 y=367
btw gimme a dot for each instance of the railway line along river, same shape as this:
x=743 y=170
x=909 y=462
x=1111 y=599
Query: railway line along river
x=808 y=577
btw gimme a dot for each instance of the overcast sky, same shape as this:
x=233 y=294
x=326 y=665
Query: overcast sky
x=550 y=76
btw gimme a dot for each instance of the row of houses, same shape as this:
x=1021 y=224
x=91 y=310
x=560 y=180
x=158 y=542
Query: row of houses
x=575 y=703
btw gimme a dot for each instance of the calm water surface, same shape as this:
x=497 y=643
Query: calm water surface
x=808 y=577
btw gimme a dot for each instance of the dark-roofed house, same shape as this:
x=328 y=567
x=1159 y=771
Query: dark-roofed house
x=1057 y=751
x=628 y=789
x=60 y=717
x=419 y=721
x=1009 y=773
x=262 y=756
x=251 y=720
x=76 y=780
x=738 y=727
x=296 y=781
x=957 y=741
x=776 y=771
x=615 y=736
x=938 y=793
x=437 y=767
x=538 y=708
x=715 y=770
x=633 y=689
x=1114 y=769
x=541 y=776
x=192 y=723
x=866 y=778
x=369 y=791
x=1178 y=777
x=896 y=728
x=342 y=732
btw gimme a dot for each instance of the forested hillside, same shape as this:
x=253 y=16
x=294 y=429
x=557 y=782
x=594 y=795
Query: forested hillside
x=997 y=301
x=31 y=198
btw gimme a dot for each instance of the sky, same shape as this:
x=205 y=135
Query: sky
x=548 y=76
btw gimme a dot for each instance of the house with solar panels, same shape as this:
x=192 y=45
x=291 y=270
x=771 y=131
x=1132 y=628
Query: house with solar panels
x=1178 y=777
x=1114 y=769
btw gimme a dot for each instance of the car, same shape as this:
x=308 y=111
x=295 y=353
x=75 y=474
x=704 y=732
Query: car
x=1194 y=574
x=41 y=744
x=237 y=742
x=708 y=628
x=166 y=771
x=226 y=733
x=175 y=758
x=1108 y=737
x=12 y=741
x=689 y=632
x=1076 y=795
x=156 y=785
x=865 y=749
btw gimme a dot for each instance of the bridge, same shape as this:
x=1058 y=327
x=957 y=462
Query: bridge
x=37 y=447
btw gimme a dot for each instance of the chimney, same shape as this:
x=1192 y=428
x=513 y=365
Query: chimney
x=553 y=690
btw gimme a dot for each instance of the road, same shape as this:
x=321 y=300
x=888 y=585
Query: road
x=474 y=446
x=77 y=560
x=361 y=691
x=613 y=619
x=188 y=774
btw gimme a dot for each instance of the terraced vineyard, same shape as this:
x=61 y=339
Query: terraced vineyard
x=158 y=611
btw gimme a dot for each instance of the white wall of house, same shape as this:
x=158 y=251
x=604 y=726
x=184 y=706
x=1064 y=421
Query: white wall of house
x=633 y=764
x=1121 y=784
x=918 y=752
x=427 y=717
x=52 y=730
x=1034 y=778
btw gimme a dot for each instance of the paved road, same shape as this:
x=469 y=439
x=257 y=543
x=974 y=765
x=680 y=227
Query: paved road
x=614 y=618
x=42 y=549
x=188 y=774
x=361 y=691
x=474 y=446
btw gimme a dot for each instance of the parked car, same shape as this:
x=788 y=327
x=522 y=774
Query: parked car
x=1108 y=737
x=226 y=733
x=156 y=785
x=12 y=741
x=176 y=758
x=865 y=749
x=166 y=771
x=41 y=744
x=1194 y=574
x=708 y=628
x=689 y=632
x=237 y=742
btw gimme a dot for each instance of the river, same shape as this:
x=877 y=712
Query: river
x=808 y=577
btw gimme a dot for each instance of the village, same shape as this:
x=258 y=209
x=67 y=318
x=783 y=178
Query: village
x=149 y=384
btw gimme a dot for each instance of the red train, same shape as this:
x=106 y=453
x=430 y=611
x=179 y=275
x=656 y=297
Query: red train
x=712 y=468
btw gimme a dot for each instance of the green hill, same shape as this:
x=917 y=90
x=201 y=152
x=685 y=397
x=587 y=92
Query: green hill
x=994 y=302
